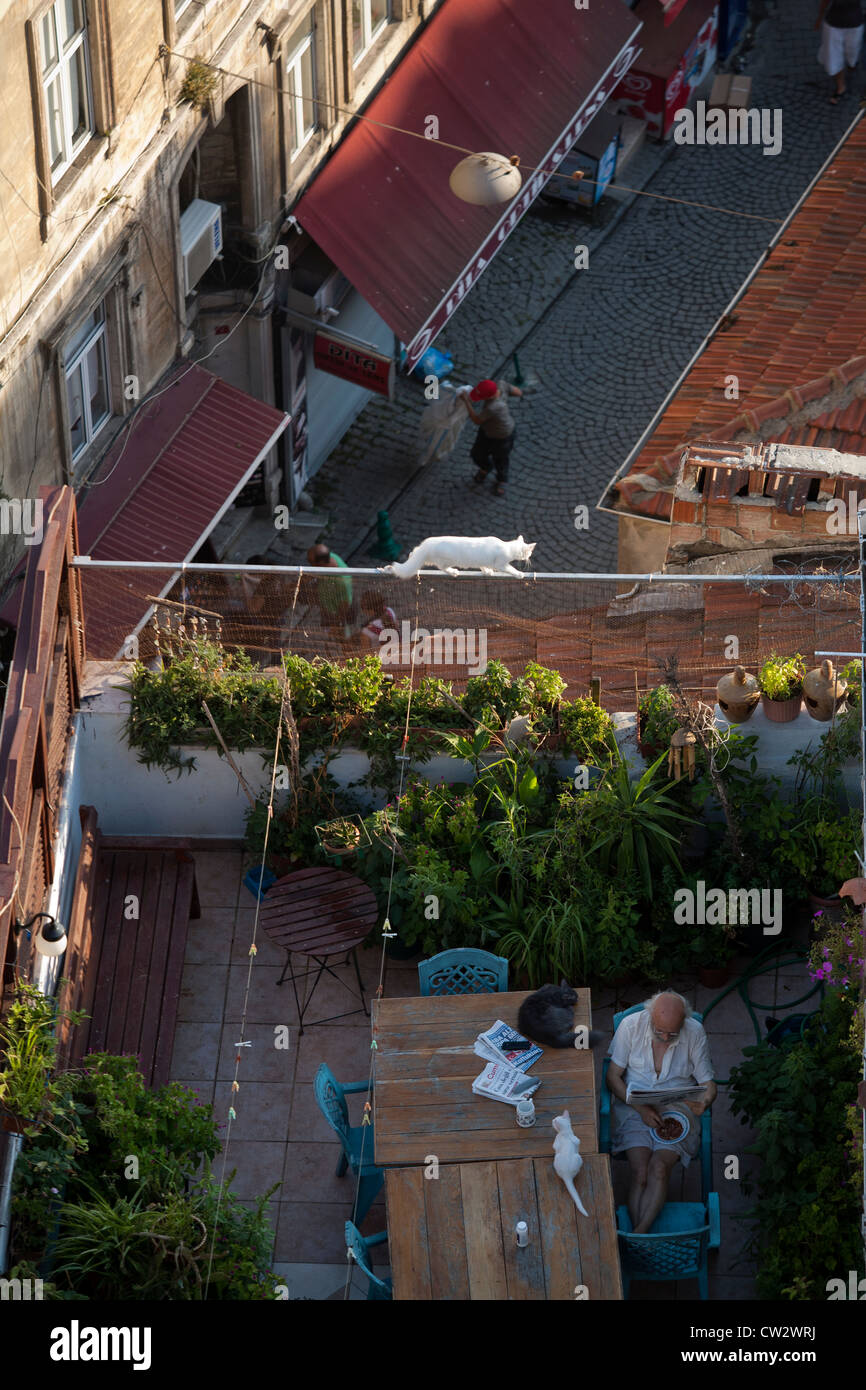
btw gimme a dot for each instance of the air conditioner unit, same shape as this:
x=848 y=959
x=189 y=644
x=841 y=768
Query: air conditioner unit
x=201 y=240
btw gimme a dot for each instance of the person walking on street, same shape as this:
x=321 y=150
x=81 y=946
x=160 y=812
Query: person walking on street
x=496 y=430
x=841 y=25
x=333 y=595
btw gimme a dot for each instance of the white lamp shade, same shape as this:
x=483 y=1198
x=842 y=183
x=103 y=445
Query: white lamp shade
x=48 y=947
x=485 y=179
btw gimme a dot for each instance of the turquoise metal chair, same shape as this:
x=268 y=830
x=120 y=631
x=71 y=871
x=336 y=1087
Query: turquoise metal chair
x=465 y=970
x=359 y=1246
x=331 y=1097
x=676 y=1247
x=605 y=1104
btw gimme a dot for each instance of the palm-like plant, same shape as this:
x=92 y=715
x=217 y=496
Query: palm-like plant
x=633 y=826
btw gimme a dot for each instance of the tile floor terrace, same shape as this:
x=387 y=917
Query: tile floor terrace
x=280 y=1135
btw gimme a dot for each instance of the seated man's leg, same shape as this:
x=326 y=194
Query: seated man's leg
x=638 y=1162
x=661 y=1165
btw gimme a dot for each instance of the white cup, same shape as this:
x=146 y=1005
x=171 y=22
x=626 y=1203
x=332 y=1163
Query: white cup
x=525 y=1113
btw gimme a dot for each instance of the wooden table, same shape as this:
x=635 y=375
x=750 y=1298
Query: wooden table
x=319 y=913
x=452 y=1237
x=425 y=1066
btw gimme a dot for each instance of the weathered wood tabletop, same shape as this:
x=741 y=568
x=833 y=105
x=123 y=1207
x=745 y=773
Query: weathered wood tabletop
x=425 y=1066
x=453 y=1236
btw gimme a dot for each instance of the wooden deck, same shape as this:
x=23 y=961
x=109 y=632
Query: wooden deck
x=130 y=983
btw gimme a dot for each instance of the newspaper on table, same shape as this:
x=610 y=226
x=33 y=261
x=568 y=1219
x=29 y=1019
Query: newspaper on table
x=490 y=1046
x=633 y=1096
x=500 y=1081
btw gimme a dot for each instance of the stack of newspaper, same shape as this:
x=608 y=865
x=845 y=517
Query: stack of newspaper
x=504 y=1077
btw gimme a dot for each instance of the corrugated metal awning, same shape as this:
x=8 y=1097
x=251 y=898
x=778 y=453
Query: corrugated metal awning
x=500 y=75
x=165 y=484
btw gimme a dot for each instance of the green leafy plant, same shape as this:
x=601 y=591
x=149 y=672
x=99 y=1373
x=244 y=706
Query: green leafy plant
x=633 y=827
x=781 y=678
x=31 y=1092
x=657 y=719
x=796 y=1097
x=819 y=844
x=587 y=731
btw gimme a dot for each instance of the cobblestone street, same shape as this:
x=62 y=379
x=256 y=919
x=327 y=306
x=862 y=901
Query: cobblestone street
x=607 y=343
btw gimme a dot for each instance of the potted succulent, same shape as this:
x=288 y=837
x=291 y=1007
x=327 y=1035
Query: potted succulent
x=781 y=682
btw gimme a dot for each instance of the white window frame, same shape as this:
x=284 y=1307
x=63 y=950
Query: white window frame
x=368 y=36
x=181 y=7
x=60 y=68
x=294 y=79
x=98 y=335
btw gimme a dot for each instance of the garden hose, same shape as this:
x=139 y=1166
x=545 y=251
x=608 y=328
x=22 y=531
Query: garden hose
x=762 y=965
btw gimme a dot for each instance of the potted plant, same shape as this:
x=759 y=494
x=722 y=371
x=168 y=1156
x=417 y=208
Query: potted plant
x=657 y=722
x=781 y=682
x=587 y=732
x=820 y=846
x=342 y=836
x=712 y=950
x=837 y=841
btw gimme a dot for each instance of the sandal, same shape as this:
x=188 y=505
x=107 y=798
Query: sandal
x=478 y=479
x=499 y=490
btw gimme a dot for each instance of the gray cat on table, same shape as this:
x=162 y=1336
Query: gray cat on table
x=547 y=1017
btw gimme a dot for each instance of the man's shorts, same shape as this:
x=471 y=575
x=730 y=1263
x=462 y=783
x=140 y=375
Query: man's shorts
x=839 y=47
x=628 y=1131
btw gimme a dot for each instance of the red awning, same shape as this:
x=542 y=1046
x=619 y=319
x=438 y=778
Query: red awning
x=501 y=75
x=162 y=489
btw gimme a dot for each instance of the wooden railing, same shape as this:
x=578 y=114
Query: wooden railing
x=42 y=695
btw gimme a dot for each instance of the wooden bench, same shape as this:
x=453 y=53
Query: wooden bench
x=127 y=937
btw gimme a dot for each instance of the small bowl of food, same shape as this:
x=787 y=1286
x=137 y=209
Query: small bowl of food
x=674 y=1127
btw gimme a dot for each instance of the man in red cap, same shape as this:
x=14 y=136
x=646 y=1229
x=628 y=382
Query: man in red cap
x=495 y=437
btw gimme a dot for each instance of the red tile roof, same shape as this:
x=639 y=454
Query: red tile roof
x=796 y=341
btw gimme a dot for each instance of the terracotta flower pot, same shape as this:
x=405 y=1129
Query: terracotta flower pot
x=832 y=907
x=782 y=711
x=714 y=976
x=11 y=1124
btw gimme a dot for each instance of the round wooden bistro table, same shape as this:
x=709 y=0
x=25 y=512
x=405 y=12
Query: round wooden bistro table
x=319 y=913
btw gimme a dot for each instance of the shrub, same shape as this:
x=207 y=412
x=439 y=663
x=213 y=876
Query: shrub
x=587 y=731
x=797 y=1097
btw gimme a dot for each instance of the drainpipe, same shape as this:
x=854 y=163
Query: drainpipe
x=10 y=1148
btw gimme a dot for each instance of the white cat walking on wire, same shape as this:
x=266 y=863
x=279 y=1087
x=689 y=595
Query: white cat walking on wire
x=451 y=554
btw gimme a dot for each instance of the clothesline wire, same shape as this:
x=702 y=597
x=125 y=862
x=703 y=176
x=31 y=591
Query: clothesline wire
x=386 y=927
x=459 y=149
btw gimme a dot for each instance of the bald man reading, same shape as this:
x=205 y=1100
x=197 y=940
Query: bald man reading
x=660 y=1047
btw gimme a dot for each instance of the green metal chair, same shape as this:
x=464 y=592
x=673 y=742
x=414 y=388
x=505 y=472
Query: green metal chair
x=357 y=1140
x=604 y=1113
x=676 y=1247
x=359 y=1248
x=465 y=970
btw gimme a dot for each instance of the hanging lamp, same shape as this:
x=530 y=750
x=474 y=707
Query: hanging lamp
x=486 y=179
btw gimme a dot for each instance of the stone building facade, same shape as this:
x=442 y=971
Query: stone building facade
x=110 y=133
